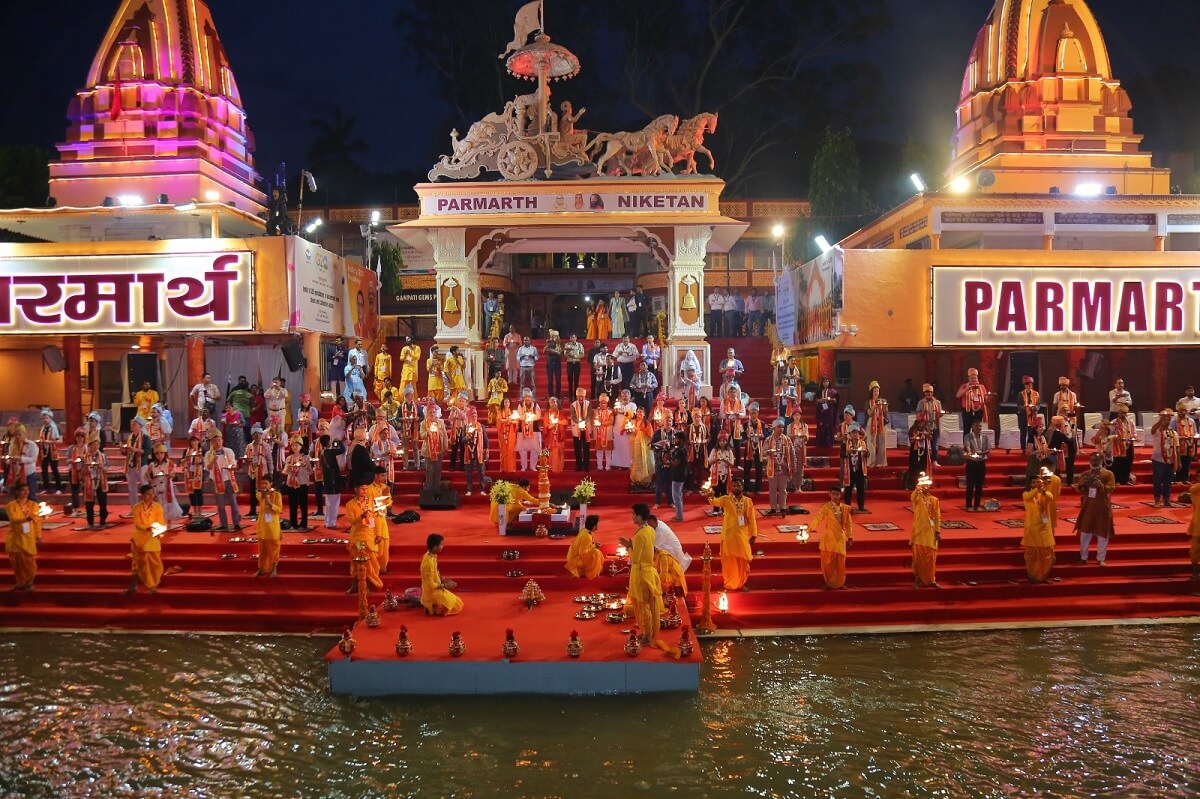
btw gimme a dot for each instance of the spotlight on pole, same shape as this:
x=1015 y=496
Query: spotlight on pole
x=823 y=243
x=212 y=195
x=313 y=225
x=916 y=179
x=130 y=200
x=960 y=185
x=1089 y=190
x=375 y=216
x=777 y=231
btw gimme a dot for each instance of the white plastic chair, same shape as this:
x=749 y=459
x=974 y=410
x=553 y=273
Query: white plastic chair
x=950 y=426
x=1091 y=423
x=1146 y=420
x=1010 y=432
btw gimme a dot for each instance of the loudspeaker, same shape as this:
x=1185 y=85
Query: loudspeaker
x=438 y=500
x=1090 y=365
x=54 y=359
x=293 y=354
x=139 y=367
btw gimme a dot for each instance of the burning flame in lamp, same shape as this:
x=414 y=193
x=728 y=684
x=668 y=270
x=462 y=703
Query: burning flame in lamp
x=802 y=534
x=515 y=416
x=707 y=485
x=157 y=530
x=44 y=510
x=622 y=552
x=723 y=603
x=382 y=503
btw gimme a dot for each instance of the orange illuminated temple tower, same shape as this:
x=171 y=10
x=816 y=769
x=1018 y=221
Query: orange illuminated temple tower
x=160 y=114
x=1040 y=106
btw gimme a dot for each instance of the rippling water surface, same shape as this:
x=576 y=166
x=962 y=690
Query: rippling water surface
x=1085 y=712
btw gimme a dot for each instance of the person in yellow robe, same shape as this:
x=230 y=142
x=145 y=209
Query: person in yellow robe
x=435 y=590
x=670 y=574
x=456 y=366
x=833 y=524
x=926 y=533
x=1054 y=486
x=645 y=590
x=410 y=359
x=149 y=522
x=375 y=492
x=435 y=368
x=145 y=400
x=360 y=514
x=383 y=369
x=521 y=499
x=1038 y=538
x=641 y=469
x=267 y=529
x=739 y=528
x=24 y=534
x=497 y=391
x=1193 y=530
x=584 y=558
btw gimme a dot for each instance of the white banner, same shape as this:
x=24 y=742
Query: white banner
x=315 y=278
x=451 y=204
x=1080 y=307
x=785 y=307
x=135 y=294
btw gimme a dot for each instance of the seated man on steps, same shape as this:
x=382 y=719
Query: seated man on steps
x=435 y=590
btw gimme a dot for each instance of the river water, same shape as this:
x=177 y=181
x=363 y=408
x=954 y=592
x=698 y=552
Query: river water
x=1065 y=713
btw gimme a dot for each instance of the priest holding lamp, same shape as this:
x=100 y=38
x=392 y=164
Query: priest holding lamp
x=973 y=395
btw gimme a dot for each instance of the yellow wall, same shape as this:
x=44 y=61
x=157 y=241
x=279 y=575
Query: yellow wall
x=27 y=381
x=886 y=293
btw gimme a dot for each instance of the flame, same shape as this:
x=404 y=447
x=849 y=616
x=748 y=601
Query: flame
x=723 y=602
x=622 y=552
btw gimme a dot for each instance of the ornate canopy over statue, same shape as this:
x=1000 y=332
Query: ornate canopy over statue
x=527 y=139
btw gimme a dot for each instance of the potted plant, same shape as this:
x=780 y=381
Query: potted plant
x=583 y=495
x=502 y=494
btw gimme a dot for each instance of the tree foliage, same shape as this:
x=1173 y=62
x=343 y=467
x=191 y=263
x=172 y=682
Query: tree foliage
x=776 y=71
x=840 y=205
x=391 y=260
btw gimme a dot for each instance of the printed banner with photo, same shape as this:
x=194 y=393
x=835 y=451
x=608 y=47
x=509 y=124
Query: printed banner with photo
x=314 y=287
x=786 y=284
x=818 y=292
x=360 y=301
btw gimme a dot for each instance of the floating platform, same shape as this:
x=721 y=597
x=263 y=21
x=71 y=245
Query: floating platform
x=540 y=667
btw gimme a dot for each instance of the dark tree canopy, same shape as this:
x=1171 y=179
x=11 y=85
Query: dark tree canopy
x=776 y=71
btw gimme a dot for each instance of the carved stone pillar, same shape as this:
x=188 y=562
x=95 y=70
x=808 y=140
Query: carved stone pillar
x=72 y=387
x=458 y=302
x=195 y=359
x=685 y=303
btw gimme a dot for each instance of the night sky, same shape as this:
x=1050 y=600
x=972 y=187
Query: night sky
x=298 y=59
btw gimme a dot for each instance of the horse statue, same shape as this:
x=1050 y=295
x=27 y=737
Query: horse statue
x=689 y=140
x=650 y=139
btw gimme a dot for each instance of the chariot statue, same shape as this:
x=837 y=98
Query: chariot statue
x=527 y=139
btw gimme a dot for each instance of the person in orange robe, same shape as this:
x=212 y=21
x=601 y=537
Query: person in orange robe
x=268 y=530
x=739 y=528
x=364 y=538
x=24 y=534
x=435 y=589
x=592 y=330
x=832 y=523
x=1038 y=538
x=554 y=427
x=506 y=436
x=926 y=533
x=603 y=322
x=584 y=558
x=149 y=523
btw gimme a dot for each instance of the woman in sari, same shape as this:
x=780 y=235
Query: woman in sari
x=554 y=427
x=592 y=330
x=603 y=322
x=619 y=314
x=506 y=435
x=641 y=466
